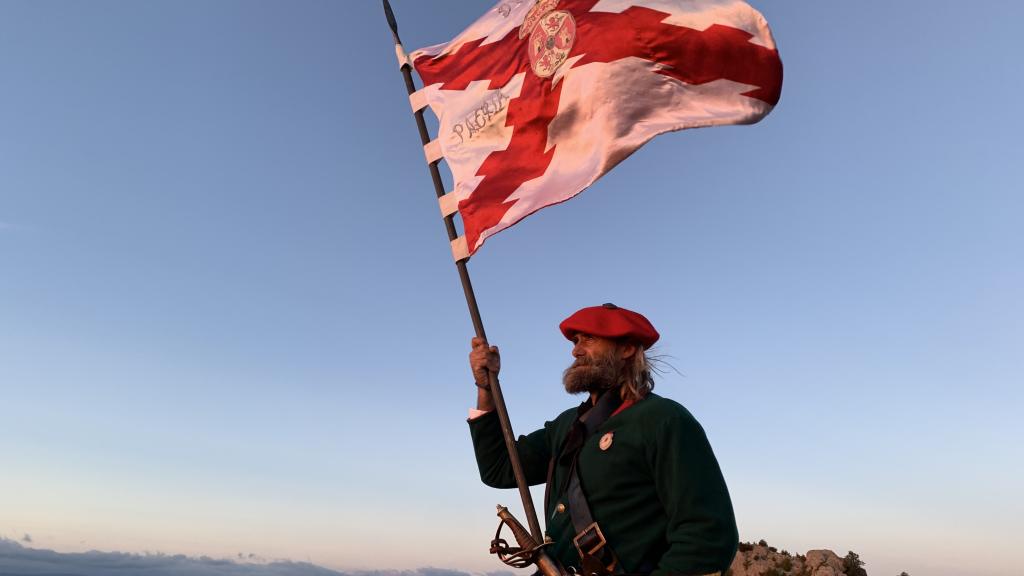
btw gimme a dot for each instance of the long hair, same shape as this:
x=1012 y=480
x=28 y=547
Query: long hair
x=637 y=376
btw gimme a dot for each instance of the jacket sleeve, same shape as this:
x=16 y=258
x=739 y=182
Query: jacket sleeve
x=492 y=456
x=701 y=530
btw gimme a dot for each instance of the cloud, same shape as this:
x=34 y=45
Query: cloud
x=18 y=560
x=26 y=538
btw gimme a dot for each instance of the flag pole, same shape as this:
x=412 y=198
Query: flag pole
x=467 y=288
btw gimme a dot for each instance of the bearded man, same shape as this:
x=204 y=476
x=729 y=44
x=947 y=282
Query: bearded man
x=633 y=486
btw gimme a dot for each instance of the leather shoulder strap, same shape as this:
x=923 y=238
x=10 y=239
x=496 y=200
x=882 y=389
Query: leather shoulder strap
x=594 y=550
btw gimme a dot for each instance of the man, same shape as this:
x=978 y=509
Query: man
x=636 y=464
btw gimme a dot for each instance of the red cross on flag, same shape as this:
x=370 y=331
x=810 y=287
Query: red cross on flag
x=538 y=98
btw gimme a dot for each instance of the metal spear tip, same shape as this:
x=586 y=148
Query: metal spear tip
x=392 y=22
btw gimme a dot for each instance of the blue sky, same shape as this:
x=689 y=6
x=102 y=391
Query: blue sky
x=229 y=321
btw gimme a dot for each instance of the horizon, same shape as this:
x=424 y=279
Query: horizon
x=30 y=561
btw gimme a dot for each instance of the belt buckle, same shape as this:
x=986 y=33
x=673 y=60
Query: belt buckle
x=585 y=533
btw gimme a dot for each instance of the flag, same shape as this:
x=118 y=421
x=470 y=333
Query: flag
x=538 y=98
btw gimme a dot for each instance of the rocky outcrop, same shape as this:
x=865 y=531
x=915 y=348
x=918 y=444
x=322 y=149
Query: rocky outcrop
x=824 y=563
x=763 y=560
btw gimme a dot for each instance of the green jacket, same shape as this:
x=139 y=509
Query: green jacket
x=657 y=491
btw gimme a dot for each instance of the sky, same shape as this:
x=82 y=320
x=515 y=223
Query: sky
x=230 y=323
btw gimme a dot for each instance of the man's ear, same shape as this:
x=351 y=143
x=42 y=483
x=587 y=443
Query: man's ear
x=627 y=350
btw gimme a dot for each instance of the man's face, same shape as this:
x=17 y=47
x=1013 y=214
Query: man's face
x=597 y=367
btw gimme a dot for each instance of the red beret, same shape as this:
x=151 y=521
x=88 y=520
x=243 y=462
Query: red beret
x=610 y=321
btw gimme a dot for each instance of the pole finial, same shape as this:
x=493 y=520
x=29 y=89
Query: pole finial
x=392 y=23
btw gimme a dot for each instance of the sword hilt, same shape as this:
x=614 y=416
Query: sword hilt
x=529 y=552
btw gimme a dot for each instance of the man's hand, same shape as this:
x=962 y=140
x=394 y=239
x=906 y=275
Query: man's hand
x=483 y=360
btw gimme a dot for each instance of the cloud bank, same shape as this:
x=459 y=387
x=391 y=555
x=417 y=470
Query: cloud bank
x=17 y=560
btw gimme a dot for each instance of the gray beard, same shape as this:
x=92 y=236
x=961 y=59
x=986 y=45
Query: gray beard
x=591 y=376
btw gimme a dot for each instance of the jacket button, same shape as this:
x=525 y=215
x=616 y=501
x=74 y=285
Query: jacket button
x=560 y=508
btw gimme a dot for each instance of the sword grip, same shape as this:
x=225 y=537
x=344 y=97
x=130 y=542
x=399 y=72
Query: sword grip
x=546 y=565
x=523 y=537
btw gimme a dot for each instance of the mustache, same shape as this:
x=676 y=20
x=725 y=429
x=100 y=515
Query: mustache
x=592 y=362
x=583 y=361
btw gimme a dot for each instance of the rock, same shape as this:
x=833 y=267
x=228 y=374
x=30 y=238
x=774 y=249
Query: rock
x=759 y=560
x=824 y=563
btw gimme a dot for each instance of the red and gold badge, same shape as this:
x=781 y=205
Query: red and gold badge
x=552 y=34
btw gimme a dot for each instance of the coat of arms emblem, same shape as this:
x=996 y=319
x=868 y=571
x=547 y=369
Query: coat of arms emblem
x=552 y=33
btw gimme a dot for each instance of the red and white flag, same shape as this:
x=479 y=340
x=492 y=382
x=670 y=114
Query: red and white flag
x=539 y=98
